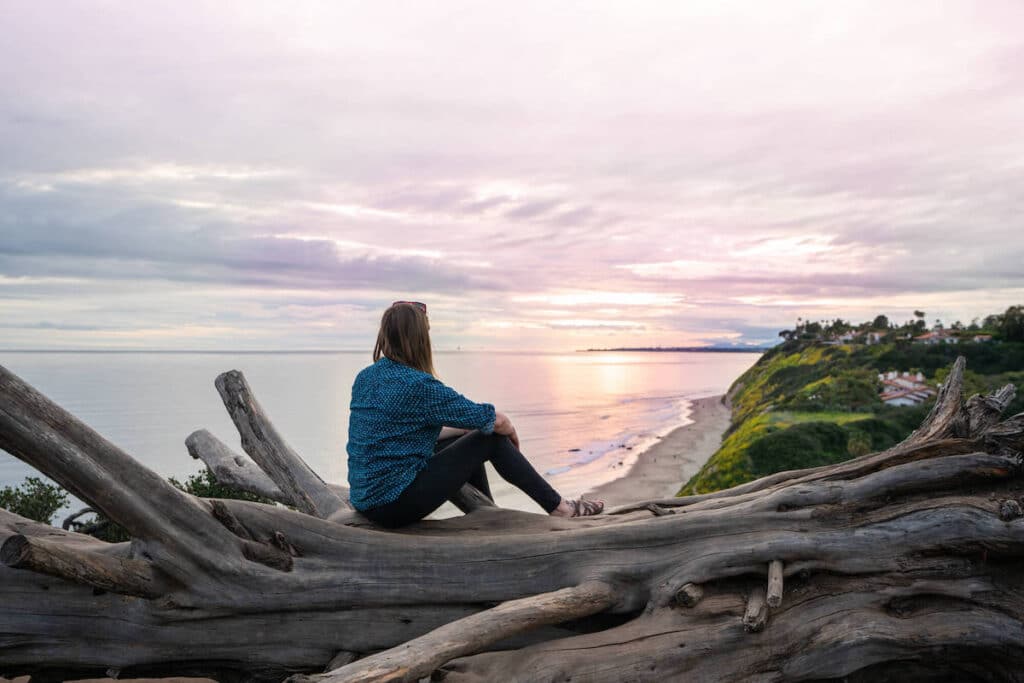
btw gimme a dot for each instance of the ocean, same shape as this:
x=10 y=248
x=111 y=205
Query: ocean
x=581 y=417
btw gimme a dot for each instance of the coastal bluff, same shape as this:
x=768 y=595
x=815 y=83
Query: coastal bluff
x=901 y=563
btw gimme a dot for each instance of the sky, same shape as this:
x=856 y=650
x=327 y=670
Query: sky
x=218 y=175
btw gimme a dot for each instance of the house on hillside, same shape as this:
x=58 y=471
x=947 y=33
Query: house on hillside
x=904 y=388
x=844 y=338
x=936 y=336
x=874 y=338
x=982 y=338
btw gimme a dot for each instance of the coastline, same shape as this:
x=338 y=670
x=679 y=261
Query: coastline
x=661 y=470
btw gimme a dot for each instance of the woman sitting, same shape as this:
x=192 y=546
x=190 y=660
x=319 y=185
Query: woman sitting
x=398 y=469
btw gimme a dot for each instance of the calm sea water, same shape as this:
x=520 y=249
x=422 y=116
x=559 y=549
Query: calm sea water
x=580 y=416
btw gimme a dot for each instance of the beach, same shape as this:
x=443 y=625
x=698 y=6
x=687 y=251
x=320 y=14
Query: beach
x=661 y=470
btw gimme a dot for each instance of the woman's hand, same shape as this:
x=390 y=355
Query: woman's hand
x=503 y=425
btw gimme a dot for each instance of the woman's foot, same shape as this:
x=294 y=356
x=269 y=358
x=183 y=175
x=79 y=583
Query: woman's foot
x=578 y=508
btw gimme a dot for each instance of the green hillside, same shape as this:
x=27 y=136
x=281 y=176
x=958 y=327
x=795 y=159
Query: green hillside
x=811 y=401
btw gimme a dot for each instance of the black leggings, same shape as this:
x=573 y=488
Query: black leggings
x=458 y=461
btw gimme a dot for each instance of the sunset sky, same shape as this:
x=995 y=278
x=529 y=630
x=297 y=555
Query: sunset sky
x=544 y=175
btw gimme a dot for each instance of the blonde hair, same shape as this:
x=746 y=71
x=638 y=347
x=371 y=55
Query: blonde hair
x=404 y=337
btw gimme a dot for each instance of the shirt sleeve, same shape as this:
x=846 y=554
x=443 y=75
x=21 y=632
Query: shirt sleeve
x=442 y=405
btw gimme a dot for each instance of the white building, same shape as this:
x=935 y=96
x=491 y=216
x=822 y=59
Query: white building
x=904 y=388
x=937 y=336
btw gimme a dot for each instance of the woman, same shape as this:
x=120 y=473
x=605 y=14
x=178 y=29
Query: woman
x=413 y=442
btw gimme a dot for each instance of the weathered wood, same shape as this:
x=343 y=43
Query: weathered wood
x=420 y=657
x=832 y=629
x=72 y=519
x=689 y=594
x=40 y=433
x=984 y=411
x=947 y=417
x=119 y=575
x=915 y=549
x=774 y=597
x=470 y=498
x=756 y=615
x=1006 y=436
x=304 y=487
x=341 y=659
x=231 y=469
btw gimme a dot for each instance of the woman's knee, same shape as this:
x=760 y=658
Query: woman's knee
x=477 y=437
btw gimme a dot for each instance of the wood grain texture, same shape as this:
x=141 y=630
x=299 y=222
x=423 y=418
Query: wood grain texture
x=417 y=658
x=774 y=593
x=125 y=576
x=261 y=440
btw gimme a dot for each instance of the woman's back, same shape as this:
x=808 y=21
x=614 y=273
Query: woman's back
x=398 y=409
x=396 y=415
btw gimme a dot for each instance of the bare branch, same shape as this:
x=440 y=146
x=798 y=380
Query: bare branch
x=756 y=615
x=774 y=583
x=307 y=491
x=42 y=434
x=418 y=658
x=115 y=574
x=230 y=468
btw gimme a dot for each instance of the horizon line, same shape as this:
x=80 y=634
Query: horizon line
x=331 y=351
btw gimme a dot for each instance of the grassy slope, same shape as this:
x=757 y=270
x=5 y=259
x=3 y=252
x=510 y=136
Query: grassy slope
x=805 y=405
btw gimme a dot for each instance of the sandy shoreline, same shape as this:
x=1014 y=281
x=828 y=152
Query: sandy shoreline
x=661 y=470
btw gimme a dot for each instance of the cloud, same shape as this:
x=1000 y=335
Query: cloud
x=698 y=171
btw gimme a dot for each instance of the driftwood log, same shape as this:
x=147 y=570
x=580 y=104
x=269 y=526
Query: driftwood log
x=906 y=565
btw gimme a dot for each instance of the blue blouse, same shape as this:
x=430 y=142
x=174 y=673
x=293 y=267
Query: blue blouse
x=395 y=417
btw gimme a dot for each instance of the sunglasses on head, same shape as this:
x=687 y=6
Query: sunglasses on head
x=418 y=304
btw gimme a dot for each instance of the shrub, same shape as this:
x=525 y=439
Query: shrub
x=808 y=444
x=848 y=390
x=34 y=499
x=202 y=484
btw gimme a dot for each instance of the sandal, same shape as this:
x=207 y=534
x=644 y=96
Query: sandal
x=585 y=508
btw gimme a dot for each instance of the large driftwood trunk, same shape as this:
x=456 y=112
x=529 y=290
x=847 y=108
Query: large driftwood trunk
x=904 y=564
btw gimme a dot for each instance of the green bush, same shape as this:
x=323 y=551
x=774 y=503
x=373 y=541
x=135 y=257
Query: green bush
x=204 y=485
x=808 y=444
x=201 y=484
x=105 y=529
x=985 y=358
x=854 y=391
x=42 y=497
x=34 y=499
x=806 y=403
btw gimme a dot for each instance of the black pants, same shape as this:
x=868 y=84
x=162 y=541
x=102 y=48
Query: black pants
x=458 y=461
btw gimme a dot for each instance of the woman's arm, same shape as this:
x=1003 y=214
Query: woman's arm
x=503 y=425
x=435 y=403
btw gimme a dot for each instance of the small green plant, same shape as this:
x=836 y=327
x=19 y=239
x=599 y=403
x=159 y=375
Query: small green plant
x=204 y=485
x=106 y=530
x=201 y=484
x=34 y=499
x=808 y=444
x=39 y=495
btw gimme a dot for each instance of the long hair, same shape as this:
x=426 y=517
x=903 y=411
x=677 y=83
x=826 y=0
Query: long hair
x=404 y=337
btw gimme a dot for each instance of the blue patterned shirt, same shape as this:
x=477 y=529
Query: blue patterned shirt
x=396 y=415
